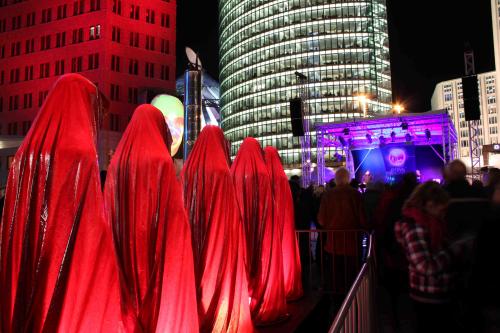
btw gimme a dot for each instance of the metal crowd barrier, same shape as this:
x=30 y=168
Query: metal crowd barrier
x=357 y=313
x=332 y=270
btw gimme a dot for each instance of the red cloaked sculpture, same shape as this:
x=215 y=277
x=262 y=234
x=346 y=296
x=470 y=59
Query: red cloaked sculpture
x=57 y=266
x=284 y=216
x=150 y=228
x=263 y=237
x=217 y=234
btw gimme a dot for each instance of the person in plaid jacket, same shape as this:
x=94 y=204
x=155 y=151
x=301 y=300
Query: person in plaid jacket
x=422 y=233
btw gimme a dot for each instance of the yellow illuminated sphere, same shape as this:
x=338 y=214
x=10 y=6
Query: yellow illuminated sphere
x=173 y=110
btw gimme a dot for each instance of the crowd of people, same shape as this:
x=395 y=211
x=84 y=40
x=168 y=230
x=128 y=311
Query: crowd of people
x=434 y=242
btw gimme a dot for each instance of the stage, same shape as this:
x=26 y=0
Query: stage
x=385 y=147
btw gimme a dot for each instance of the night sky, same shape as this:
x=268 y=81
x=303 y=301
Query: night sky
x=427 y=41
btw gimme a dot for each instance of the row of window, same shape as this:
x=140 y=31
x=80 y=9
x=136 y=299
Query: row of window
x=134 y=13
x=25 y=101
x=253 y=25
x=135 y=37
x=77 y=66
x=14 y=129
x=46 y=15
x=47 y=42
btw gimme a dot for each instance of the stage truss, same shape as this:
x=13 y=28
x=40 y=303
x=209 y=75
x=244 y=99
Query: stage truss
x=428 y=128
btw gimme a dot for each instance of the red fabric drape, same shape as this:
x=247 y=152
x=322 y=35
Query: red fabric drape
x=58 y=271
x=218 y=240
x=263 y=237
x=150 y=228
x=284 y=216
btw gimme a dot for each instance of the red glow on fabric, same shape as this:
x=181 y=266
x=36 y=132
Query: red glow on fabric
x=217 y=238
x=58 y=271
x=150 y=228
x=263 y=236
x=284 y=216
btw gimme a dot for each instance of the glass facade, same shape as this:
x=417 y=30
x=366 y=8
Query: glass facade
x=341 y=46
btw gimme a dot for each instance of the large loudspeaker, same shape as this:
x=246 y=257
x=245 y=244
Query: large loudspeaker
x=471 y=98
x=296 y=117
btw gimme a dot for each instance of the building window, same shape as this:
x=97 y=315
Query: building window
x=47 y=15
x=45 y=44
x=15 y=49
x=26 y=126
x=2 y=51
x=16 y=22
x=95 y=5
x=114 y=123
x=165 y=46
x=134 y=39
x=30 y=46
x=76 y=64
x=44 y=70
x=165 y=20
x=114 y=92
x=95 y=32
x=13 y=103
x=493 y=130
x=12 y=130
x=61 y=39
x=77 y=35
x=41 y=97
x=1 y=106
x=2 y=77
x=491 y=100
x=28 y=73
x=133 y=67
x=133 y=95
x=93 y=61
x=78 y=7
x=3 y=25
x=149 y=70
x=164 y=74
x=15 y=75
x=30 y=19
x=150 y=16
x=150 y=43
x=115 y=63
x=134 y=12
x=490 y=89
x=59 y=67
x=117 y=7
x=62 y=11
x=492 y=120
x=27 y=101
x=116 y=34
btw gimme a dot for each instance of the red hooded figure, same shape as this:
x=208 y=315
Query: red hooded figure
x=283 y=215
x=218 y=240
x=263 y=236
x=150 y=228
x=58 y=270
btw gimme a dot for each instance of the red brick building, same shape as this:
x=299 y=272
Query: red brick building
x=126 y=47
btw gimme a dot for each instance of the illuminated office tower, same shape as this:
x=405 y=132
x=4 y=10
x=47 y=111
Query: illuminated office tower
x=341 y=46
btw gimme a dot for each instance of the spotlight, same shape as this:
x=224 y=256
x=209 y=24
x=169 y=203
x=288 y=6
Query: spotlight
x=408 y=137
x=393 y=136
x=428 y=134
x=369 y=138
x=404 y=126
x=346 y=131
x=342 y=141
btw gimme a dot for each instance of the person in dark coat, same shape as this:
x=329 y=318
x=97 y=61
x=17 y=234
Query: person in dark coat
x=456 y=183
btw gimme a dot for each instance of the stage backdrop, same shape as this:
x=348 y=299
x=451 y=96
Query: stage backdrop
x=390 y=162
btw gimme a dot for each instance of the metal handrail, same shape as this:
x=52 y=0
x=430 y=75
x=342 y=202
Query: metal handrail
x=357 y=311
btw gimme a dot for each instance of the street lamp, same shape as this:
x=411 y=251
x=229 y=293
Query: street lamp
x=398 y=108
x=363 y=100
